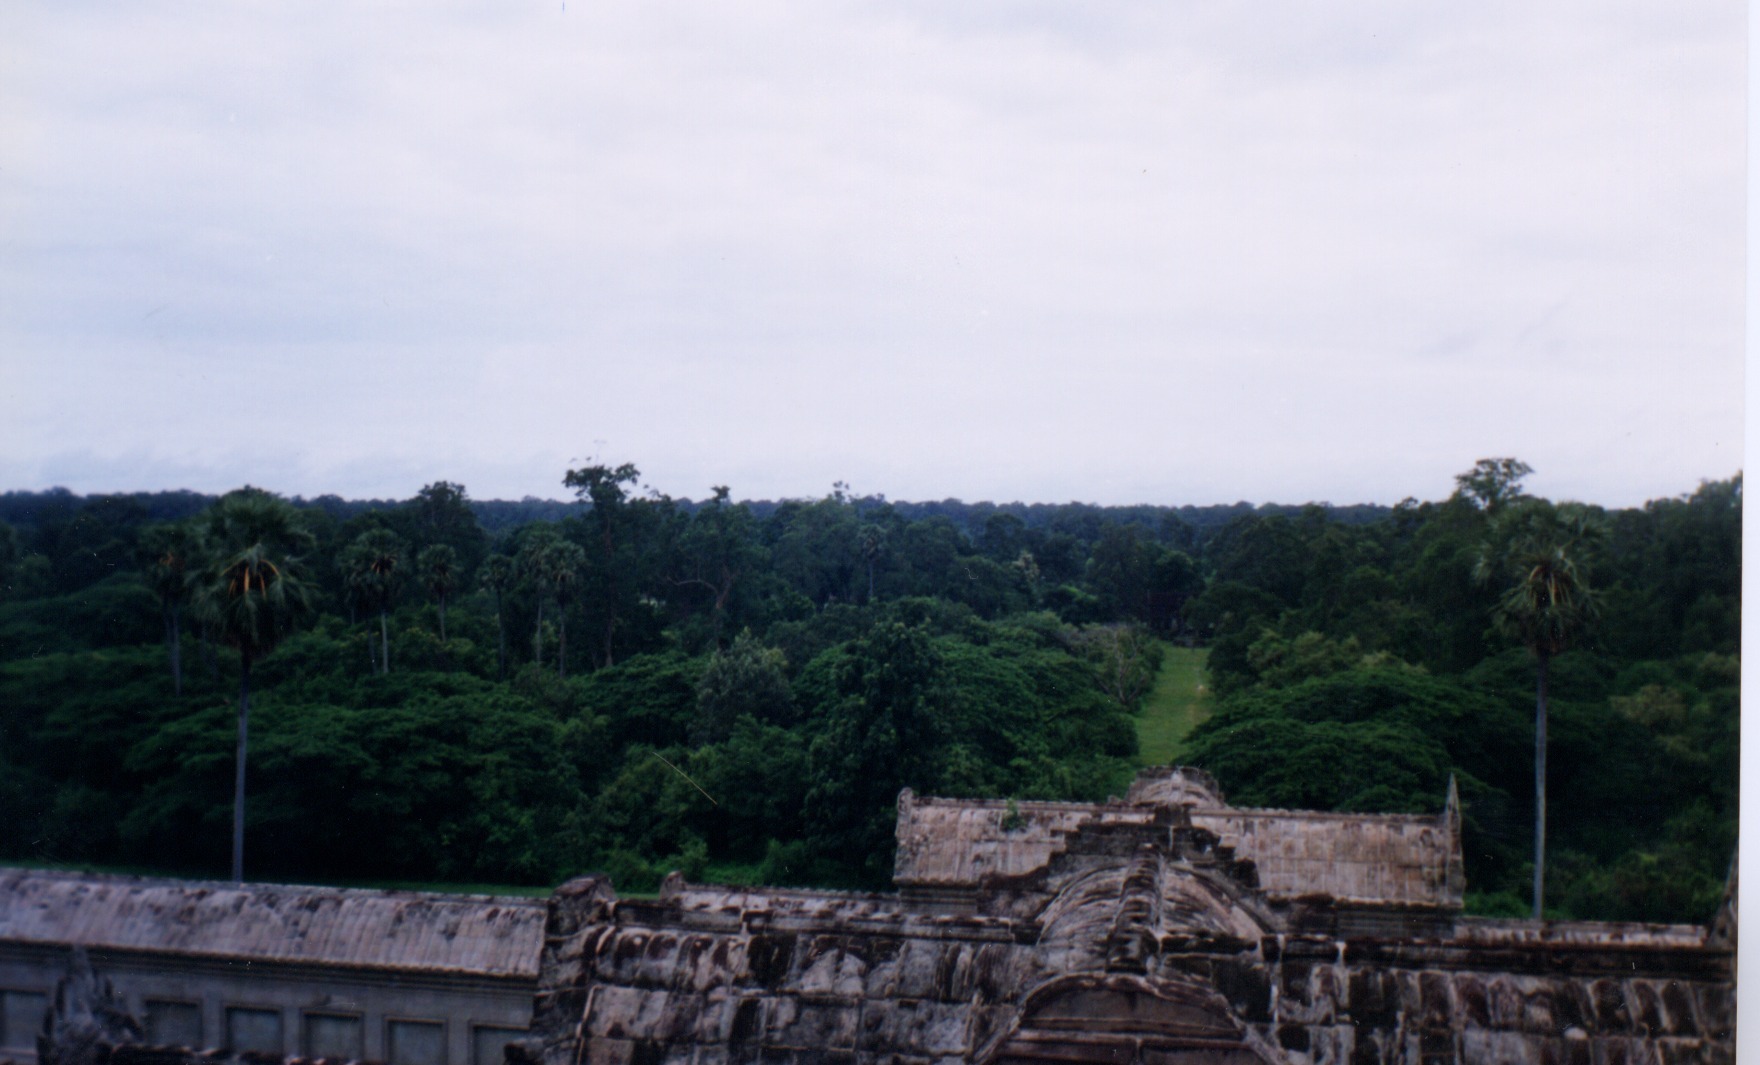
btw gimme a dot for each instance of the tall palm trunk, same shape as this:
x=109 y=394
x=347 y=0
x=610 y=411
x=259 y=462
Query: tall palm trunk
x=384 y=644
x=244 y=719
x=562 y=641
x=1540 y=785
x=442 y=619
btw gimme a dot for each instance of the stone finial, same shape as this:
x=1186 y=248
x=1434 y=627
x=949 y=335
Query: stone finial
x=1722 y=932
x=1451 y=824
x=86 y=1018
x=1172 y=785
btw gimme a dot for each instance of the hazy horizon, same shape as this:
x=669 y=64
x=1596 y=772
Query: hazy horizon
x=859 y=495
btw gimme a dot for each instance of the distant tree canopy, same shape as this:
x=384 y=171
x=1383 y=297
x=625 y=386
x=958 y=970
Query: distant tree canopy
x=630 y=682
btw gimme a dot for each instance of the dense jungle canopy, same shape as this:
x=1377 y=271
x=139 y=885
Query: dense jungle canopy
x=451 y=690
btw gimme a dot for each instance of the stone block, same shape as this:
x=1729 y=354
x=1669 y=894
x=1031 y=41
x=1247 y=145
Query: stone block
x=769 y=958
x=1373 y=998
x=607 y=1051
x=1472 y=1010
x=1246 y=987
x=1646 y=1007
x=1608 y=998
x=1677 y=1009
x=811 y=1025
x=1438 y=1010
x=1332 y=1044
x=830 y=967
x=1715 y=1010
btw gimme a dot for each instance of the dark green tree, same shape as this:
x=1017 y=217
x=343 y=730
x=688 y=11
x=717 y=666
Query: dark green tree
x=1125 y=659
x=1540 y=555
x=172 y=554
x=716 y=552
x=497 y=575
x=881 y=734
x=605 y=488
x=563 y=563
x=746 y=680
x=11 y=556
x=1119 y=573
x=535 y=565
x=1493 y=483
x=373 y=569
x=441 y=514
x=438 y=565
x=253 y=597
x=816 y=548
x=873 y=543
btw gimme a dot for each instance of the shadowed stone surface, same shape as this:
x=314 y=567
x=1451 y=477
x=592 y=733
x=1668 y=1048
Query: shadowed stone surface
x=85 y=1018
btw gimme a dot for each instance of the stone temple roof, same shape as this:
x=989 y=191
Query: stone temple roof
x=1367 y=859
x=1167 y=928
x=398 y=930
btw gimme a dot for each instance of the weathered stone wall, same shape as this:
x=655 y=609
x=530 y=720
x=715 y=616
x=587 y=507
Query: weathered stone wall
x=1369 y=1001
x=697 y=978
x=1139 y=940
x=662 y=982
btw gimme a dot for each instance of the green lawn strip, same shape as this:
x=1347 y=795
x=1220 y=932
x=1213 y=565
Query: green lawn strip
x=1178 y=702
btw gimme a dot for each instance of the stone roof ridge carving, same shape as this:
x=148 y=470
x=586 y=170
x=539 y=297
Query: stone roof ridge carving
x=201 y=888
x=1522 y=930
x=1146 y=797
x=907 y=797
x=1282 y=813
x=350 y=927
x=676 y=891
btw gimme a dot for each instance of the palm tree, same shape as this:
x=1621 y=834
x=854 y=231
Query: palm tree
x=534 y=566
x=562 y=566
x=438 y=565
x=1543 y=552
x=371 y=565
x=603 y=486
x=497 y=576
x=251 y=597
x=873 y=542
x=169 y=552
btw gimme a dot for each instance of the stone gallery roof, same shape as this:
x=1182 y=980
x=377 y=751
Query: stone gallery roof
x=483 y=935
x=1368 y=859
x=1386 y=859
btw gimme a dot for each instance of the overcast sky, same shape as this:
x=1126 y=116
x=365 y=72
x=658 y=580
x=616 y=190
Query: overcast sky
x=1125 y=252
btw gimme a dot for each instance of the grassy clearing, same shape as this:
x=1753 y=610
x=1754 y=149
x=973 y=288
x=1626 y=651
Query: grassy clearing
x=1178 y=701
